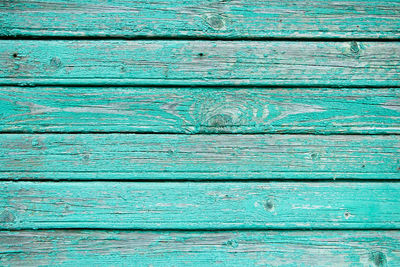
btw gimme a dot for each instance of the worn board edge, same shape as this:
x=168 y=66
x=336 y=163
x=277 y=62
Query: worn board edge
x=201 y=19
x=154 y=176
x=223 y=63
x=233 y=248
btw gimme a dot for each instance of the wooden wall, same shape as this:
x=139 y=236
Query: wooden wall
x=199 y=133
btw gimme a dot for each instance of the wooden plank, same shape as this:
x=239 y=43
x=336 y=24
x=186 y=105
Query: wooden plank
x=227 y=248
x=199 y=19
x=200 y=110
x=199 y=62
x=200 y=205
x=149 y=156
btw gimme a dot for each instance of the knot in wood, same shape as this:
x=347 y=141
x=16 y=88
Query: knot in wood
x=232 y=243
x=354 y=48
x=220 y=120
x=378 y=258
x=216 y=22
x=55 y=63
x=269 y=205
x=315 y=156
x=7 y=217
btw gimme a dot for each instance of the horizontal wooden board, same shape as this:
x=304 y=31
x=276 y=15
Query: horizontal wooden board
x=200 y=205
x=199 y=62
x=200 y=110
x=230 y=248
x=169 y=156
x=194 y=18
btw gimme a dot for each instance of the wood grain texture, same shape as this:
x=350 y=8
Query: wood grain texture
x=199 y=19
x=339 y=68
x=227 y=248
x=200 y=205
x=148 y=156
x=199 y=63
x=200 y=110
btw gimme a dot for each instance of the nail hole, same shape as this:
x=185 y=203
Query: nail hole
x=15 y=55
x=201 y=54
x=347 y=215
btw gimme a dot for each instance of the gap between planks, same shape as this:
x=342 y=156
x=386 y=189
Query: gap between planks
x=198 y=134
x=169 y=38
x=201 y=230
x=264 y=180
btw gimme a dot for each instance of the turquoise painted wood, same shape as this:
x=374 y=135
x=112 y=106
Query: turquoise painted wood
x=199 y=133
x=200 y=110
x=169 y=156
x=232 y=248
x=200 y=205
x=202 y=18
x=107 y=63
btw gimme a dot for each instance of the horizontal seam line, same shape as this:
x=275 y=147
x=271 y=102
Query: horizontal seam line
x=321 y=133
x=28 y=37
x=236 y=181
x=207 y=86
x=33 y=84
x=200 y=229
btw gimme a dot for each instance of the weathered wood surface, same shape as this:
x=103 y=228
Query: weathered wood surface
x=169 y=156
x=200 y=205
x=200 y=110
x=338 y=66
x=227 y=248
x=199 y=62
x=199 y=19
